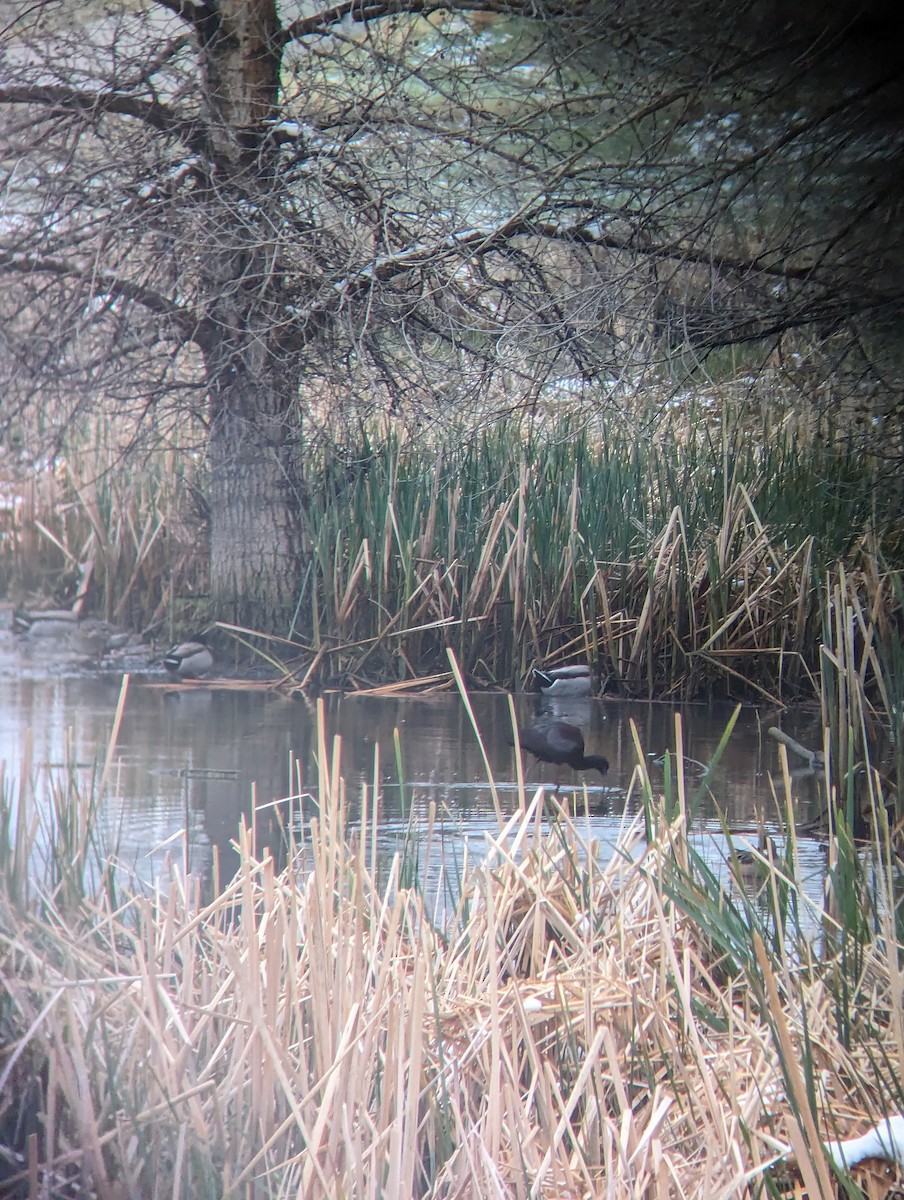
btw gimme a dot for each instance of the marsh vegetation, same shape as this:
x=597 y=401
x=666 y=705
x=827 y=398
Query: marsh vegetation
x=400 y=345
x=698 y=553
x=579 y=1024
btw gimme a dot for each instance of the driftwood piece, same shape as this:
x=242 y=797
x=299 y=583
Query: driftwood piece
x=813 y=758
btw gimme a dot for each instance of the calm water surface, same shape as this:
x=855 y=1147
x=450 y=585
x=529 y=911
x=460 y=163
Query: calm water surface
x=189 y=765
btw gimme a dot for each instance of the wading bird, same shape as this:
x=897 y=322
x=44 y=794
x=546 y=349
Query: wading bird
x=189 y=660
x=575 y=680
x=561 y=744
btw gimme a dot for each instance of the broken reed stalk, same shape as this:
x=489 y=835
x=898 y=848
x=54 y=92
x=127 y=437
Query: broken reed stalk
x=581 y=1027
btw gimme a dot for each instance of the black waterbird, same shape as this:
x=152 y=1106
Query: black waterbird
x=561 y=744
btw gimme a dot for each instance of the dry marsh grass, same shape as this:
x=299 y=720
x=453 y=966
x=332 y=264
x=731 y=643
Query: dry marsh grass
x=133 y=535
x=578 y=1027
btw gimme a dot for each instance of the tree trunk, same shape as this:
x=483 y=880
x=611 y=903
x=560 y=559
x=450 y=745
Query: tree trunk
x=252 y=373
x=252 y=381
x=255 y=541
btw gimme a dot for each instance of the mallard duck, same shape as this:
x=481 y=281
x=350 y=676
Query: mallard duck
x=754 y=868
x=574 y=680
x=561 y=744
x=51 y=622
x=751 y=872
x=191 y=659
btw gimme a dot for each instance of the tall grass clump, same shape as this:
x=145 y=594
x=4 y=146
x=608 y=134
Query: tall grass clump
x=680 y=554
x=130 y=533
x=680 y=564
x=578 y=1027
x=862 y=684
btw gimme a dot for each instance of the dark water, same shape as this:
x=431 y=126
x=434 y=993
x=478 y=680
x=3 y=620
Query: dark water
x=190 y=765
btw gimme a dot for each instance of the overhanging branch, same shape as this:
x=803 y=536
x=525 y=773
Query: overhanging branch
x=373 y=10
x=106 y=102
x=333 y=296
x=98 y=282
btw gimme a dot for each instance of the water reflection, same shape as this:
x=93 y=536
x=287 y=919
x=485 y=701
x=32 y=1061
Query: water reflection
x=190 y=765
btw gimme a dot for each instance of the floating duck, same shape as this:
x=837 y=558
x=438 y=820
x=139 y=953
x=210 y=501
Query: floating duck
x=574 y=680
x=752 y=869
x=189 y=660
x=51 y=622
x=561 y=744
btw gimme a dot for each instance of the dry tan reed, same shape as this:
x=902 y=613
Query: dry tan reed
x=572 y=1032
x=133 y=538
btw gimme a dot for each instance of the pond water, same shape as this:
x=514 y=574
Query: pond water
x=191 y=762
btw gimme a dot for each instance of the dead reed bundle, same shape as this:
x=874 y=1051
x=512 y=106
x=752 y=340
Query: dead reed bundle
x=87 y=517
x=581 y=1028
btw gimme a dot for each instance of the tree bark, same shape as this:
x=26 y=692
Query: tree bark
x=255 y=541
x=255 y=547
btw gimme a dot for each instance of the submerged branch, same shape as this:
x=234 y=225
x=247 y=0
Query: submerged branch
x=813 y=758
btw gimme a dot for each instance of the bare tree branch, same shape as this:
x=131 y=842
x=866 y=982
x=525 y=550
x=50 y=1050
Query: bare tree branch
x=373 y=10
x=99 y=283
x=102 y=102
